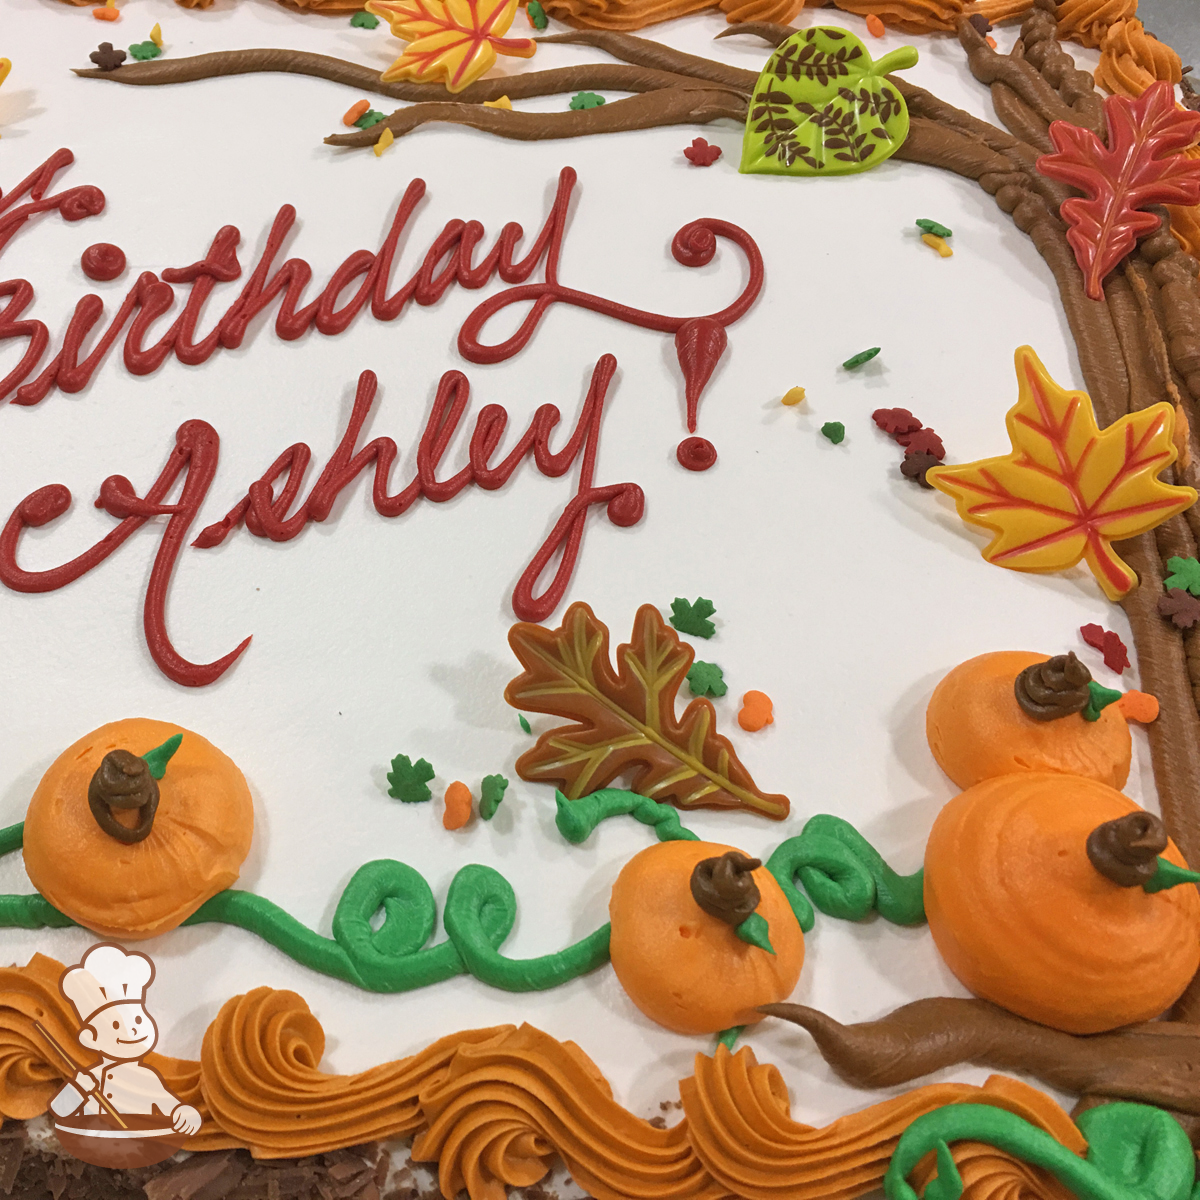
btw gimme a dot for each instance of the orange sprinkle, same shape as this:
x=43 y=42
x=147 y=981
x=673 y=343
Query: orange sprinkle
x=458 y=806
x=355 y=111
x=757 y=711
x=106 y=14
x=874 y=26
x=1138 y=706
x=991 y=41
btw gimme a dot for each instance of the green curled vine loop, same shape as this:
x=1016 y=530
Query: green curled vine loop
x=1135 y=1152
x=844 y=876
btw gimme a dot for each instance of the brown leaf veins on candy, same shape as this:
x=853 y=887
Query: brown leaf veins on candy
x=626 y=718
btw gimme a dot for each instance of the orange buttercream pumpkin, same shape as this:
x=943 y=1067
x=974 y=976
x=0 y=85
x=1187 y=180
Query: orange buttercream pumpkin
x=1023 y=918
x=199 y=837
x=688 y=970
x=976 y=728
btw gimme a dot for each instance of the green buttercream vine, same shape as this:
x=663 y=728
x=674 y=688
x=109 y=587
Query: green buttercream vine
x=842 y=873
x=844 y=876
x=1135 y=1152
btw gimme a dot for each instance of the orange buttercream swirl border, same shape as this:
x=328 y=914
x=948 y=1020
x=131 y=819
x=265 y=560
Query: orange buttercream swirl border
x=493 y=1107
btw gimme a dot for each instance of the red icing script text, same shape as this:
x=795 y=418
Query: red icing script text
x=271 y=507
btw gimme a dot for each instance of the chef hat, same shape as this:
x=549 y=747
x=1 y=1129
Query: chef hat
x=107 y=975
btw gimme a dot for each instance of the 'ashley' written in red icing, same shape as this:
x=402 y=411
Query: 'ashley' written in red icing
x=264 y=511
x=699 y=343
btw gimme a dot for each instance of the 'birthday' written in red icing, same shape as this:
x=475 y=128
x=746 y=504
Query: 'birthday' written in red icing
x=362 y=279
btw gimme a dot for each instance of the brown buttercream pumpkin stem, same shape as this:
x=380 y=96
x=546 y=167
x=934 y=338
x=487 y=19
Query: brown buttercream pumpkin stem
x=123 y=781
x=1052 y=689
x=724 y=886
x=1126 y=850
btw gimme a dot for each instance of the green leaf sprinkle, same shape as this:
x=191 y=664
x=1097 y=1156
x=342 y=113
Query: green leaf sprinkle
x=145 y=50
x=408 y=779
x=1185 y=573
x=524 y=723
x=692 y=618
x=364 y=20
x=491 y=793
x=863 y=356
x=835 y=431
x=537 y=14
x=706 y=679
x=933 y=227
x=369 y=118
x=583 y=100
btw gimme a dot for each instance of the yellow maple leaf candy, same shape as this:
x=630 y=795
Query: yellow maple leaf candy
x=1068 y=490
x=455 y=41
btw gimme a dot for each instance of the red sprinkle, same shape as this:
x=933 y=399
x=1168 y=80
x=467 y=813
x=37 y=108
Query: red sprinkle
x=895 y=420
x=1116 y=655
x=103 y=261
x=701 y=153
x=922 y=441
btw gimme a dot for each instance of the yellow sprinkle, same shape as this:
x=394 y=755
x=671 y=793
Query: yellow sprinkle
x=503 y=102
x=793 y=396
x=110 y=3
x=936 y=243
x=156 y=36
x=5 y=67
x=386 y=138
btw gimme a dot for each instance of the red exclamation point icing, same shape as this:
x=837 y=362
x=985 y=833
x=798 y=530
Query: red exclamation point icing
x=699 y=344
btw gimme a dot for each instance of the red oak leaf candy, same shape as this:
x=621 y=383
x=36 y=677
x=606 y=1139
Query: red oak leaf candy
x=1141 y=165
x=701 y=153
x=895 y=420
x=1116 y=656
x=922 y=441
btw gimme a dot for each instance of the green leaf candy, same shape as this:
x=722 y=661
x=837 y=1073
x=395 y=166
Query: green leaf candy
x=822 y=107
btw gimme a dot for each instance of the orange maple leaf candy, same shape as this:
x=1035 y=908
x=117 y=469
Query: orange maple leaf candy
x=626 y=722
x=453 y=40
x=1068 y=489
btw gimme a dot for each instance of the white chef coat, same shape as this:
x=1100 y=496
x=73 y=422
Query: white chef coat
x=128 y=1087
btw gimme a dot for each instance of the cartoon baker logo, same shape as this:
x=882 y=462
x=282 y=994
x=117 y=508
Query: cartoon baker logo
x=117 y=1112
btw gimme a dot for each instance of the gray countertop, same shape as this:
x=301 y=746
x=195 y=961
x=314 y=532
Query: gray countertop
x=1176 y=22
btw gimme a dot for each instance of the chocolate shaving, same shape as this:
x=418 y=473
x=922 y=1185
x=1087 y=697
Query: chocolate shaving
x=724 y=886
x=1154 y=1063
x=123 y=782
x=1126 y=850
x=1053 y=689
